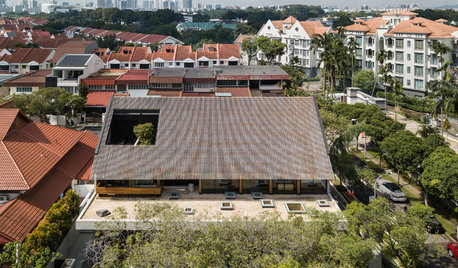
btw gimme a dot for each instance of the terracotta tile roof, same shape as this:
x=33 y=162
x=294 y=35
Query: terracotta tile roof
x=184 y=52
x=153 y=38
x=368 y=26
x=166 y=53
x=86 y=30
x=45 y=42
x=26 y=55
x=135 y=77
x=97 y=32
x=71 y=28
x=42 y=160
x=98 y=98
x=424 y=26
x=10 y=42
x=290 y=20
x=198 y=94
x=108 y=33
x=399 y=13
x=226 y=51
x=314 y=27
x=37 y=78
x=242 y=37
x=104 y=77
x=73 y=47
x=235 y=91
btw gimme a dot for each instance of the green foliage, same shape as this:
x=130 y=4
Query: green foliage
x=415 y=104
x=49 y=101
x=365 y=80
x=202 y=42
x=264 y=241
x=404 y=234
x=404 y=150
x=435 y=14
x=250 y=47
x=343 y=20
x=242 y=28
x=440 y=173
x=270 y=48
x=145 y=133
x=23 y=45
x=46 y=237
x=110 y=42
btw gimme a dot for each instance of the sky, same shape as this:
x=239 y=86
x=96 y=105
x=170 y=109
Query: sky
x=323 y=3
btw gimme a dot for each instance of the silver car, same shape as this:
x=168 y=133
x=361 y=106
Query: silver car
x=391 y=191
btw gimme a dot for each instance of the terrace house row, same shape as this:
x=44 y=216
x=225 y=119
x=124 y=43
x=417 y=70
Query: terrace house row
x=297 y=35
x=408 y=40
x=210 y=55
x=128 y=37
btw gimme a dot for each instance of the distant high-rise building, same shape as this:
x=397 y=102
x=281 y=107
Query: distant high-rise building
x=90 y=4
x=104 y=3
x=165 y=4
x=208 y=6
x=2 y=3
x=187 y=4
x=217 y=6
x=148 y=5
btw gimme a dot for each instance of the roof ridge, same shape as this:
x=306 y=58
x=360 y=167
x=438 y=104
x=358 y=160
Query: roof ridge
x=15 y=164
x=26 y=54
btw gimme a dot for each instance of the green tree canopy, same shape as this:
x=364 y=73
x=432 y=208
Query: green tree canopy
x=440 y=173
x=270 y=48
x=145 y=133
x=250 y=47
x=365 y=80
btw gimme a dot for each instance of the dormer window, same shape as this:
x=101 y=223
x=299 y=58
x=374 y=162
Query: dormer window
x=297 y=29
x=268 y=27
x=211 y=49
x=169 y=50
x=126 y=51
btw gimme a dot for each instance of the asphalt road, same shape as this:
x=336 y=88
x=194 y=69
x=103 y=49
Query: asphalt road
x=444 y=260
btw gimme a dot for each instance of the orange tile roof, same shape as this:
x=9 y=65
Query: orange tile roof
x=368 y=26
x=26 y=55
x=424 y=26
x=42 y=160
x=242 y=37
x=72 y=47
x=98 y=98
x=135 y=77
x=399 y=13
x=166 y=93
x=290 y=20
x=313 y=27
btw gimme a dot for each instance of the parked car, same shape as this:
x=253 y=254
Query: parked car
x=391 y=191
x=452 y=249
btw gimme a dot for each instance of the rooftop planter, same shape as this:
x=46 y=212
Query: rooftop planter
x=226 y=205
x=230 y=195
x=295 y=207
x=267 y=203
x=323 y=203
x=188 y=210
x=256 y=195
x=174 y=195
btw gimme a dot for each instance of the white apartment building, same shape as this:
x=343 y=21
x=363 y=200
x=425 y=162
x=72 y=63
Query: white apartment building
x=297 y=35
x=408 y=40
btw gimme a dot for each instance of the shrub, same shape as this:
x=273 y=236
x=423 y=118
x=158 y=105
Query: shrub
x=47 y=236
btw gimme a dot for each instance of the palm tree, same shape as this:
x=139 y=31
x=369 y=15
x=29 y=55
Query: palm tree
x=352 y=46
x=445 y=92
x=441 y=49
x=397 y=90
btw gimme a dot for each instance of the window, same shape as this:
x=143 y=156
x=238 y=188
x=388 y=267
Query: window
x=226 y=82
x=399 y=43
x=418 y=84
x=134 y=65
x=408 y=69
x=399 y=68
x=34 y=67
x=188 y=87
x=418 y=57
x=296 y=52
x=419 y=44
x=433 y=72
x=95 y=87
x=408 y=57
x=399 y=56
x=359 y=40
x=418 y=71
x=159 y=65
x=177 y=63
x=243 y=83
x=221 y=62
x=400 y=80
x=370 y=41
x=203 y=63
x=24 y=89
x=409 y=43
x=359 y=52
x=433 y=59
x=369 y=65
x=408 y=82
x=24 y=66
x=296 y=42
x=110 y=87
x=137 y=86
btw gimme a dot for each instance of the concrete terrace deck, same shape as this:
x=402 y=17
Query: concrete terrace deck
x=206 y=206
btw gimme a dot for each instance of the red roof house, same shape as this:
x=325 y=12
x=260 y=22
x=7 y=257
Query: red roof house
x=39 y=162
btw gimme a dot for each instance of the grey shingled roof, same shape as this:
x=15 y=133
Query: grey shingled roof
x=73 y=60
x=220 y=138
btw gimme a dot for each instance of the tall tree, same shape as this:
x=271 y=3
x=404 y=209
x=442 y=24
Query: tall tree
x=250 y=47
x=270 y=48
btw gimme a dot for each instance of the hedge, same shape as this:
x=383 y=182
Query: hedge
x=414 y=104
x=47 y=236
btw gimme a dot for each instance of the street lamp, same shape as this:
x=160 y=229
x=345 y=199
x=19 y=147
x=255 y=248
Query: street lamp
x=375 y=183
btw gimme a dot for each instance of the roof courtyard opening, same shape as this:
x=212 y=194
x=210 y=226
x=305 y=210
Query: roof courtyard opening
x=122 y=129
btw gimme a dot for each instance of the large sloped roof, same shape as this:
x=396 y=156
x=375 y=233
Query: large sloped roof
x=220 y=138
x=41 y=160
